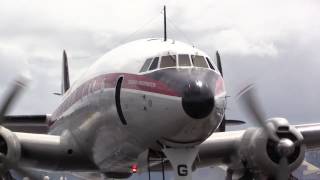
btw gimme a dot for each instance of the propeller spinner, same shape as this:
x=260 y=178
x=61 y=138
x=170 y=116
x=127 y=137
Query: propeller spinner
x=284 y=147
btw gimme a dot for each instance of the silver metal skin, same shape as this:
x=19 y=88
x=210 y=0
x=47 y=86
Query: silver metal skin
x=285 y=147
x=13 y=150
x=222 y=148
x=261 y=152
x=282 y=145
x=181 y=160
x=87 y=132
x=254 y=147
x=311 y=135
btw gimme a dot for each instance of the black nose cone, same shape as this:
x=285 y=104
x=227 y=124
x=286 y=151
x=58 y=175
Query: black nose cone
x=197 y=99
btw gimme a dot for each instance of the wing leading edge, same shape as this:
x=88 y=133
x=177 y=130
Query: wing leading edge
x=248 y=149
x=53 y=152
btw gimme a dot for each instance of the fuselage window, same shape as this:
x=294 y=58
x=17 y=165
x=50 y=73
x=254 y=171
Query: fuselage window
x=146 y=65
x=199 y=61
x=168 y=61
x=154 y=64
x=184 y=60
x=209 y=62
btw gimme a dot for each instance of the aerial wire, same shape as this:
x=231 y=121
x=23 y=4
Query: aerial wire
x=147 y=23
x=180 y=31
x=126 y=38
x=138 y=29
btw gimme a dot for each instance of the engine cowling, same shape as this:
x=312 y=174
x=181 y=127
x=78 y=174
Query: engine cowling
x=9 y=146
x=261 y=154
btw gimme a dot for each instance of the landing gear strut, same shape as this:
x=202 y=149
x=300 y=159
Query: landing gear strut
x=181 y=160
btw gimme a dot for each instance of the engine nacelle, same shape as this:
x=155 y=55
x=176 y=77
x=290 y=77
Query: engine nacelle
x=9 y=145
x=260 y=154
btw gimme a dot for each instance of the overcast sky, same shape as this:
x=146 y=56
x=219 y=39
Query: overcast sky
x=274 y=44
x=271 y=43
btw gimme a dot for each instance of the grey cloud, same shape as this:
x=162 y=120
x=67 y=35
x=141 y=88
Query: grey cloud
x=287 y=84
x=274 y=47
x=208 y=25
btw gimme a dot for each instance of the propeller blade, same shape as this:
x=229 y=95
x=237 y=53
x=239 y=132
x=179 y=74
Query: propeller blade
x=219 y=63
x=16 y=88
x=284 y=172
x=222 y=127
x=10 y=97
x=251 y=106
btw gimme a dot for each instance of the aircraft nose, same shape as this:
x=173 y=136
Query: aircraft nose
x=197 y=99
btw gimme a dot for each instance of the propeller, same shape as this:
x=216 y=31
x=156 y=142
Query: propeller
x=222 y=126
x=284 y=146
x=219 y=63
x=12 y=95
x=248 y=98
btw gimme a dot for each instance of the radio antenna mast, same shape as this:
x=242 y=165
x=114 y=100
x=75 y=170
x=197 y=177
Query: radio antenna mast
x=165 y=23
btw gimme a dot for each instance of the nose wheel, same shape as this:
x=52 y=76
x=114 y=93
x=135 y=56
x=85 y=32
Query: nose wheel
x=181 y=159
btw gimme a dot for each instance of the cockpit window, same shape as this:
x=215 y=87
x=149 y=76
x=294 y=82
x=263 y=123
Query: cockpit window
x=184 y=60
x=199 y=61
x=181 y=60
x=168 y=61
x=209 y=62
x=154 y=64
x=146 y=65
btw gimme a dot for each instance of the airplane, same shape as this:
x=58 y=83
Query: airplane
x=142 y=106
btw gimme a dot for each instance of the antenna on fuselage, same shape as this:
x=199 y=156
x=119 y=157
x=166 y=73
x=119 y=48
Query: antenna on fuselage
x=165 y=23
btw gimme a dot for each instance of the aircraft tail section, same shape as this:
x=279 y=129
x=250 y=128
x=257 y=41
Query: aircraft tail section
x=65 y=84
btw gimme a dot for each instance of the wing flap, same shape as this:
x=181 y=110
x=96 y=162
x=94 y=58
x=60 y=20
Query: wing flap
x=27 y=123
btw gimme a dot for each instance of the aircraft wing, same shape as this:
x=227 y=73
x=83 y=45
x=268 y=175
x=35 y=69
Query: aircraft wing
x=47 y=151
x=311 y=135
x=252 y=149
x=27 y=123
x=22 y=145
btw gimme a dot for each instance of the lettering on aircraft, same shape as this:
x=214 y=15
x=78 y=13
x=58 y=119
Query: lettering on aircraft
x=107 y=81
x=182 y=170
x=142 y=83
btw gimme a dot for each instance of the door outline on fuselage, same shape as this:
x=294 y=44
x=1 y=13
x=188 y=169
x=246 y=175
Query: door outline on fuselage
x=118 y=100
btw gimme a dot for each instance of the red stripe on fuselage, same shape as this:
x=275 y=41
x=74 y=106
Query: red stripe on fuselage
x=106 y=81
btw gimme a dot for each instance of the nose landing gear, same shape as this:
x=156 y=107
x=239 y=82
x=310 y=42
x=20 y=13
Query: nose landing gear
x=182 y=160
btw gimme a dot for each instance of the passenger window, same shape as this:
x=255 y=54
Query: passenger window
x=209 y=62
x=146 y=65
x=168 y=61
x=199 y=61
x=184 y=60
x=154 y=64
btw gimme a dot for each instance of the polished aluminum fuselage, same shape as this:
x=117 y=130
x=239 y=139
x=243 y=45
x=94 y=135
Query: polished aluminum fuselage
x=151 y=106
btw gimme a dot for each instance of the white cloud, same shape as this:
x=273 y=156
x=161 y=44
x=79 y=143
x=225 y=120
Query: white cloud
x=36 y=31
x=13 y=62
x=278 y=39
